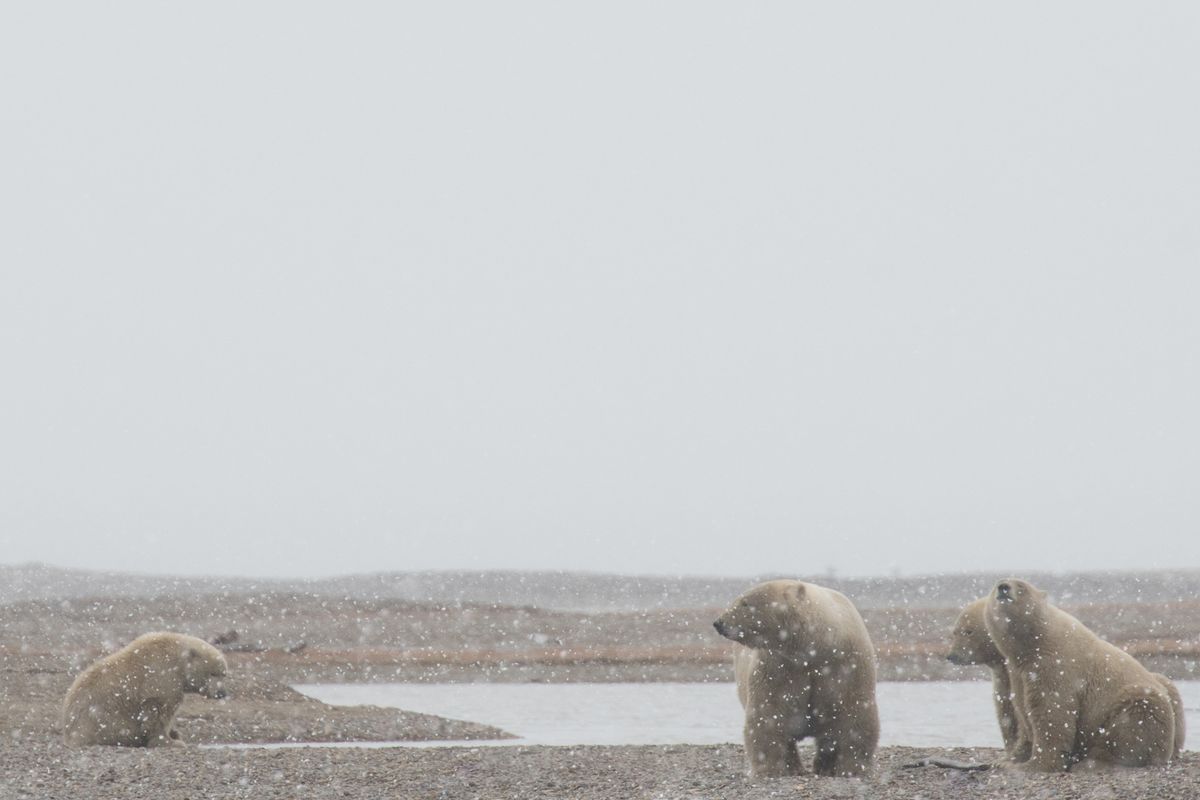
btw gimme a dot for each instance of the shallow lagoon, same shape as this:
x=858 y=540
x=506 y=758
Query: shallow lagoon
x=916 y=714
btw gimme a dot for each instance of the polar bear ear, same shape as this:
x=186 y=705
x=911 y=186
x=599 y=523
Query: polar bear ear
x=796 y=592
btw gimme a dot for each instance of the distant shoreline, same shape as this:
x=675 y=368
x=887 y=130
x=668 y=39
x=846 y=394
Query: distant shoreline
x=596 y=592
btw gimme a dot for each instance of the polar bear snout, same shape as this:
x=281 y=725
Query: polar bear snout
x=729 y=631
x=214 y=689
x=1004 y=592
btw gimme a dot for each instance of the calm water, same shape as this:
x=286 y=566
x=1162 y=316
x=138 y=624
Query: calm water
x=922 y=714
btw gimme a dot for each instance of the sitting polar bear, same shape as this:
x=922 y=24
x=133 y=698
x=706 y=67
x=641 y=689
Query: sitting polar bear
x=130 y=698
x=806 y=668
x=971 y=644
x=1086 y=701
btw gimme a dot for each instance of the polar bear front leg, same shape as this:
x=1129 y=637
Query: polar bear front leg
x=770 y=749
x=1053 y=721
x=1011 y=710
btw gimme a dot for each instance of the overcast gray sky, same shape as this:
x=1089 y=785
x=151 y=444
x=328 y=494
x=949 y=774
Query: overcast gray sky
x=299 y=289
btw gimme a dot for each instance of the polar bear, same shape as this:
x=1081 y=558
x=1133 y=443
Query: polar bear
x=1086 y=700
x=130 y=698
x=805 y=667
x=971 y=644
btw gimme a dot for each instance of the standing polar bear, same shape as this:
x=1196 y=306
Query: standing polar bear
x=971 y=644
x=130 y=698
x=806 y=668
x=1085 y=700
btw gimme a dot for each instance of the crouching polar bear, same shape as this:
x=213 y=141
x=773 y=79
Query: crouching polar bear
x=129 y=698
x=806 y=667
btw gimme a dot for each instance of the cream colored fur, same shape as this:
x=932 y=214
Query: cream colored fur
x=130 y=697
x=1177 y=709
x=1086 y=700
x=971 y=644
x=805 y=667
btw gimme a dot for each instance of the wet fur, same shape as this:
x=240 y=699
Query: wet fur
x=130 y=698
x=805 y=667
x=1086 y=700
x=970 y=643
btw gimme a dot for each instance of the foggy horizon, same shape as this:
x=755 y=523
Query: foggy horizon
x=667 y=290
x=768 y=574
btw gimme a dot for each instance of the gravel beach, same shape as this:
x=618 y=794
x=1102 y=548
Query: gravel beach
x=48 y=770
x=287 y=638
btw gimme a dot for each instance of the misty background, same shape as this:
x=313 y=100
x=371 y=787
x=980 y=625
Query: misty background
x=290 y=289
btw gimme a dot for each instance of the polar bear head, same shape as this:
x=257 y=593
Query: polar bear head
x=771 y=616
x=970 y=642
